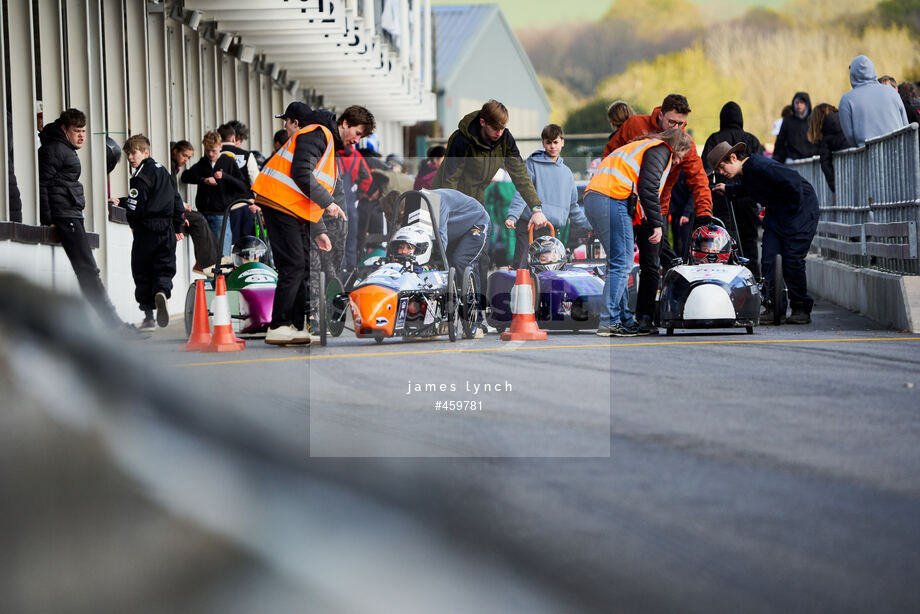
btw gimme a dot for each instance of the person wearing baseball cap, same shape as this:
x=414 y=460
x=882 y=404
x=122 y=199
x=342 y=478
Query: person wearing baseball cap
x=299 y=111
x=789 y=222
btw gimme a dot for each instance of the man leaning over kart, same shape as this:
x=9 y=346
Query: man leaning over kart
x=463 y=227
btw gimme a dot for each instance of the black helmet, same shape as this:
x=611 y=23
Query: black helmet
x=547 y=254
x=248 y=249
x=112 y=154
x=710 y=243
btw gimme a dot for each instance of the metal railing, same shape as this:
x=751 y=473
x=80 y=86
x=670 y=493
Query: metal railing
x=873 y=220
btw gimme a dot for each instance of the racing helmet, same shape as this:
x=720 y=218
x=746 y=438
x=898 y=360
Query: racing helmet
x=413 y=236
x=546 y=254
x=710 y=243
x=248 y=249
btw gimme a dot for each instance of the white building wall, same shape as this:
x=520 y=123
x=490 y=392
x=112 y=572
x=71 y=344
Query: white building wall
x=133 y=68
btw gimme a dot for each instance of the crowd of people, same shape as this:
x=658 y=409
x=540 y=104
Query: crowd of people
x=321 y=196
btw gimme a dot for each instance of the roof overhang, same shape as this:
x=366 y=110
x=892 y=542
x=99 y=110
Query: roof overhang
x=324 y=46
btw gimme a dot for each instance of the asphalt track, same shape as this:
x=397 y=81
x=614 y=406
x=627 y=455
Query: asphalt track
x=714 y=471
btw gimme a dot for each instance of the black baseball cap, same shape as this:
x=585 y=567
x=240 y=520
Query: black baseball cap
x=296 y=111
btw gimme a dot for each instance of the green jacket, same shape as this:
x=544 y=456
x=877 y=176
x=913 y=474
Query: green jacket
x=471 y=163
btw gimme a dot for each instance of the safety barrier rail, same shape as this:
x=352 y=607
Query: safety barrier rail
x=872 y=221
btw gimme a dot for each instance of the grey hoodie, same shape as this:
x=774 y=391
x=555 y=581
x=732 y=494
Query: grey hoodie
x=869 y=109
x=556 y=190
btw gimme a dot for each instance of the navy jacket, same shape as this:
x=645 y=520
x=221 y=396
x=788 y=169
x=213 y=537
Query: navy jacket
x=790 y=201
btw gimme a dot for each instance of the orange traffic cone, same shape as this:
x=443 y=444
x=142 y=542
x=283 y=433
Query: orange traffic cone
x=222 y=339
x=201 y=329
x=523 y=323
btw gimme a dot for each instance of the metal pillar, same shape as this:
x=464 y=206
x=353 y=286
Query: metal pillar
x=22 y=105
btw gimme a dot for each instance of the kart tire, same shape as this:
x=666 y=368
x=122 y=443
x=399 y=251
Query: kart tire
x=469 y=304
x=779 y=288
x=322 y=315
x=749 y=329
x=189 y=309
x=669 y=331
x=453 y=305
x=336 y=307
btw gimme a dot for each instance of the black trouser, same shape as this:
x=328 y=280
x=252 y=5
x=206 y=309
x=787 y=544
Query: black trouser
x=203 y=240
x=153 y=264
x=330 y=262
x=73 y=239
x=287 y=237
x=791 y=240
x=746 y=217
x=469 y=250
x=649 y=273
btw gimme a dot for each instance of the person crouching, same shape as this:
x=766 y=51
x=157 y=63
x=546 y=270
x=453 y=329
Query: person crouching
x=156 y=215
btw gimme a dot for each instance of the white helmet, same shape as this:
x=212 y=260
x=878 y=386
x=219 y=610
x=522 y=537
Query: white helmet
x=414 y=236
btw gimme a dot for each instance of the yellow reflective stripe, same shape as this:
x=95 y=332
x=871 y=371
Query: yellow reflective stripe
x=279 y=176
x=287 y=155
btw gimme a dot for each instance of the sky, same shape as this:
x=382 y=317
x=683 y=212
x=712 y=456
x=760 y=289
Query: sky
x=542 y=13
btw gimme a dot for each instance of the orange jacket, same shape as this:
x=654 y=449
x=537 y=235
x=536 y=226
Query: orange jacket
x=618 y=174
x=691 y=165
x=279 y=191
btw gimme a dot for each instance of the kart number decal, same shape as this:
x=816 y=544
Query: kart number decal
x=401 y=313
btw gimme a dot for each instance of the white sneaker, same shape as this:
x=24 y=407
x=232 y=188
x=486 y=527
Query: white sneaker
x=286 y=335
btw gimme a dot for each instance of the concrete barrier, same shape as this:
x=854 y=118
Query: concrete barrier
x=889 y=299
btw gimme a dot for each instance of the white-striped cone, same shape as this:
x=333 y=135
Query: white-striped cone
x=523 y=322
x=222 y=339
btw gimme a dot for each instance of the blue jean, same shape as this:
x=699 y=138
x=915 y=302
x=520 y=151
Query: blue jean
x=215 y=220
x=611 y=224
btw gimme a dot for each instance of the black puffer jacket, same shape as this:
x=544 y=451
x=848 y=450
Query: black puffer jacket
x=792 y=141
x=654 y=162
x=832 y=139
x=60 y=191
x=308 y=152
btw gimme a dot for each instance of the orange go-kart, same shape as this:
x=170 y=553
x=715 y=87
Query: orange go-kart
x=401 y=296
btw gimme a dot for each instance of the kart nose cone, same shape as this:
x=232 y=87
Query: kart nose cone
x=374 y=310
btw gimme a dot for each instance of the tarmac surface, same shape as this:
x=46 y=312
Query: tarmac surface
x=708 y=471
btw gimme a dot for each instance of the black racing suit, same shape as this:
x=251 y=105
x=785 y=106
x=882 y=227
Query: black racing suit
x=156 y=214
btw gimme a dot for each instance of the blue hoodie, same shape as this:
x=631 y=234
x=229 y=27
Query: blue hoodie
x=556 y=190
x=869 y=109
x=458 y=214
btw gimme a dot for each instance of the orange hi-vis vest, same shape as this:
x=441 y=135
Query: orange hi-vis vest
x=274 y=182
x=618 y=173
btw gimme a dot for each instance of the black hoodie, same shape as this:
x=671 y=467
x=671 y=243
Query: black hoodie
x=59 y=188
x=792 y=141
x=731 y=131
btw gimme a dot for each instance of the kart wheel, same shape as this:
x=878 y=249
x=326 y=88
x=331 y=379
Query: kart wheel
x=336 y=307
x=454 y=324
x=749 y=329
x=321 y=316
x=469 y=304
x=670 y=331
x=779 y=288
x=189 y=308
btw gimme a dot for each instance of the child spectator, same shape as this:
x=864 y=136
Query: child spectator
x=155 y=214
x=556 y=189
x=220 y=181
x=617 y=113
